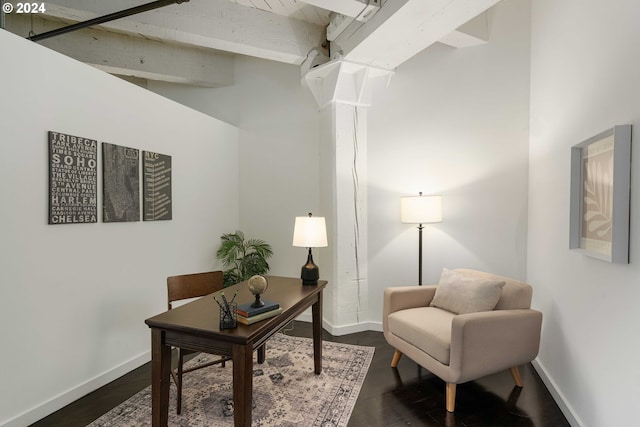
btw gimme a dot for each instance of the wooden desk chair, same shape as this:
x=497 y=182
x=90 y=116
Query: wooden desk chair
x=185 y=287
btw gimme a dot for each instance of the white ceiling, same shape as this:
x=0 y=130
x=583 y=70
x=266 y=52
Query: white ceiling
x=194 y=42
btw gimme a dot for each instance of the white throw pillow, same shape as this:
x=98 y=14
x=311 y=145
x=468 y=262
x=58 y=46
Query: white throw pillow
x=461 y=294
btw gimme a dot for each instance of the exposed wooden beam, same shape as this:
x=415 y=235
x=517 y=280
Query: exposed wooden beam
x=105 y=18
x=472 y=33
x=290 y=8
x=135 y=56
x=394 y=33
x=351 y=8
x=214 y=24
x=402 y=28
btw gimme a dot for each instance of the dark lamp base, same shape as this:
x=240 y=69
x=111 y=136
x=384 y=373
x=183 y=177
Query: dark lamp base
x=310 y=272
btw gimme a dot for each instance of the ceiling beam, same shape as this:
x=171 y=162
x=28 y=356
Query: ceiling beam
x=351 y=8
x=213 y=24
x=127 y=55
x=402 y=28
x=473 y=33
x=105 y=18
x=188 y=42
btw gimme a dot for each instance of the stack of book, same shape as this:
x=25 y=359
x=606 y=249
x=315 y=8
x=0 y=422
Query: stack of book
x=248 y=315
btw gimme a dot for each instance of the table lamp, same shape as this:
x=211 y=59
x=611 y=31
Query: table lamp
x=420 y=210
x=310 y=232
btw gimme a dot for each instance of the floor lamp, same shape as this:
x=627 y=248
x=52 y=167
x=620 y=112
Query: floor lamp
x=420 y=210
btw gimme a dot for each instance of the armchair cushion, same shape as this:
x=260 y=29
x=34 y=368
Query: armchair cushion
x=461 y=294
x=428 y=328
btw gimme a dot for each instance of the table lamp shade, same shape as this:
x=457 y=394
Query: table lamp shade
x=310 y=232
x=421 y=209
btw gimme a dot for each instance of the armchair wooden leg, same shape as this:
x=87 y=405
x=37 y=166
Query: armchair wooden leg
x=516 y=376
x=396 y=358
x=451 y=397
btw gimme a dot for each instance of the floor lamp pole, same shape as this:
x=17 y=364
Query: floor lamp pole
x=420 y=210
x=420 y=227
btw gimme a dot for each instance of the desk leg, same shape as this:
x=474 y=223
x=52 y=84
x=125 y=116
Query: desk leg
x=316 y=313
x=160 y=377
x=242 y=384
x=262 y=353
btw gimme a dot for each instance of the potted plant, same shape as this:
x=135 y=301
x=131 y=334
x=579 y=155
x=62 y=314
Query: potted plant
x=245 y=257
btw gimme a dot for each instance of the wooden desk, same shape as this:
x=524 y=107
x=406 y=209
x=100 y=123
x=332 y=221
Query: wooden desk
x=195 y=326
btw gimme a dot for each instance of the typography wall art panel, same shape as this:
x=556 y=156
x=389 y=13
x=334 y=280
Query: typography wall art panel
x=73 y=173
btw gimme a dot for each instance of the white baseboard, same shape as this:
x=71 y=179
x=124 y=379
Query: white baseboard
x=337 y=331
x=560 y=399
x=63 y=399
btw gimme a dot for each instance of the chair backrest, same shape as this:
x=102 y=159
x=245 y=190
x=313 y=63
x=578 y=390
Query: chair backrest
x=515 y=294
x=193 y=285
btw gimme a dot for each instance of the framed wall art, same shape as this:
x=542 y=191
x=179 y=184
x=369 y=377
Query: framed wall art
x=121 y=183
x=600 y=183
x=156 y=186
x=73 y=179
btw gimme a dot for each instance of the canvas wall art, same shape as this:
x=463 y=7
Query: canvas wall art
x=156 y=187
x=73 y=183
x=121 y=183
x=600 y=179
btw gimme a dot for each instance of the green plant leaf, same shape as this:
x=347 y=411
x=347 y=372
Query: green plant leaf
x=245 y=257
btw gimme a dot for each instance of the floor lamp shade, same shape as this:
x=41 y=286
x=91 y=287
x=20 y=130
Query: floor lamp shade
x=310 y=232
x=420 y=210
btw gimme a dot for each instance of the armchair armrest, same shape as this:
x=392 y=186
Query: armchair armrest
x=490 y=341
x=403 y=297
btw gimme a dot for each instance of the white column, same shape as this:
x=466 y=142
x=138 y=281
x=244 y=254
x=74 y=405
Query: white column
x=344 y=91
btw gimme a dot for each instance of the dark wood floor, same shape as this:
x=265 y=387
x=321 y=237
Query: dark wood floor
x=406 y=396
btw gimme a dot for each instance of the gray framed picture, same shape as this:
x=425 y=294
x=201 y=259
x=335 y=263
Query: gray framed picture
x=121 y=183
x=600 y=183
x=73 y=179
x=156 y=186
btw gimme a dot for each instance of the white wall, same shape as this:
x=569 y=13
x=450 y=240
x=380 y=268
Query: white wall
x=279 y=153
x=584 y=79
x=453 y=122
x=73 y=298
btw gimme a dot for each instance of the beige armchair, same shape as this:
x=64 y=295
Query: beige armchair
x=463 y=347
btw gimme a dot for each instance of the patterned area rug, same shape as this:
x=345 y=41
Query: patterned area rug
x=286 y=392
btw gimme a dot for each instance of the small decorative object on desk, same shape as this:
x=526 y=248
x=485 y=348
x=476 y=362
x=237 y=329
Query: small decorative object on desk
x=248 y=310
x=228 y=311
x=258 y=317
x=229 y=318
x=257 y=285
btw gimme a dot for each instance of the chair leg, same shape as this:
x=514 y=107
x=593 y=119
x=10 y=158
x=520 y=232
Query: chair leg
x=179 y=384
x=515 y=373
x=451 y=397
x=396 y=358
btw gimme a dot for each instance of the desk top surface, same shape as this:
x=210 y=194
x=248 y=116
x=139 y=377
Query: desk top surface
x=202 y=316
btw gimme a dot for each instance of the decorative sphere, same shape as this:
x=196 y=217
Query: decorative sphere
x=258 y=284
